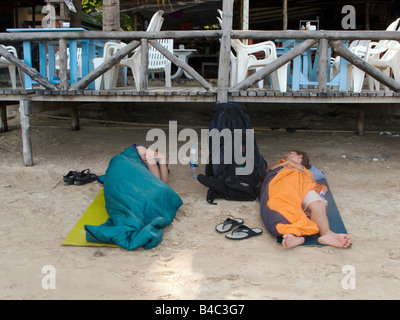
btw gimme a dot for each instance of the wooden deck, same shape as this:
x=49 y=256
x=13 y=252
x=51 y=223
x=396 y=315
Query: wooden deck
x=203 y=90
x=198 y=94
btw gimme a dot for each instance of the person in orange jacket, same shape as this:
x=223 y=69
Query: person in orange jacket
x=314 y=205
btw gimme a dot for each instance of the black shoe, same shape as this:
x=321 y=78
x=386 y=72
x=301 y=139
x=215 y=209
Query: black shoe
x=85 y=177
x=70 y=178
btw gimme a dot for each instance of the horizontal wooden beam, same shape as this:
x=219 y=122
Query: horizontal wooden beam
x=200 y=95
x=321 y=34
x=109 y=35
x=215 y=34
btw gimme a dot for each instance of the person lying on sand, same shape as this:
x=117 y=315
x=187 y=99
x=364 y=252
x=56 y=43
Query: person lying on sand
x=154 y=161
x=313 y=204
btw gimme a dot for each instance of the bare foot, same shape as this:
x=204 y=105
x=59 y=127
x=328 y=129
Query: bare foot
x=339 y=240
x=290 y=240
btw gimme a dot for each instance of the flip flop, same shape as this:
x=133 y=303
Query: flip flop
x=70 y=177
x=85 y=177
x=228 y=225
x=243 y=232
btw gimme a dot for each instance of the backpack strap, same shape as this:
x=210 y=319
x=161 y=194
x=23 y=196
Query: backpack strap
x=211 y=195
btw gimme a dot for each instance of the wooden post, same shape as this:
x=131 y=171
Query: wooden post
x=285 y=16
x=3 y=117
x=112 y=22
x=360 y=121
x=62 y=52
x=76 y=17
x=63 y=13
x=24 y=111
x=75 y=126
x=367 y=15
x=245 y=17
x=364 y=66
x=64 y=82
x=224 y=52
x=323 y=65
x=111 y=15
x=144 y=65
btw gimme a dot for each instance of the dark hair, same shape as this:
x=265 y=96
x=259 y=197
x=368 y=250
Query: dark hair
x=305 y=159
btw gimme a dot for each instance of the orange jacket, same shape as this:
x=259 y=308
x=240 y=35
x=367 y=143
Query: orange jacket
x=286 y=193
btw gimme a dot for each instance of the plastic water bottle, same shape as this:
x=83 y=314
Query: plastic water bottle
x=194 y=162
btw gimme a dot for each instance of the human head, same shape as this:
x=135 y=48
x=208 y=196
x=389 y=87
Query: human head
x=142 y=150
x=144 y=153
x=299 y=157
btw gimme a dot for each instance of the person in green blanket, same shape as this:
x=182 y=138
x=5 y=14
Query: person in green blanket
x=138 y=200
x=154 y=161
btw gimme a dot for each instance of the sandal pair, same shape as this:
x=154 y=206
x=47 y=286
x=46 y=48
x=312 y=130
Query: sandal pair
x=240 y=231
x=79 y=178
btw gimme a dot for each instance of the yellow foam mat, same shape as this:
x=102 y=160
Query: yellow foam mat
x=95 y=214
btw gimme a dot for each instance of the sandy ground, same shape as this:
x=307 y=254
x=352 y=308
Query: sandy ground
x=194 y=261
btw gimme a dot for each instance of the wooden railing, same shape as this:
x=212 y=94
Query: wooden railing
x=135 y=39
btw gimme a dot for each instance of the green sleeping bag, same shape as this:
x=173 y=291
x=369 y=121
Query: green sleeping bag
x=139 y=204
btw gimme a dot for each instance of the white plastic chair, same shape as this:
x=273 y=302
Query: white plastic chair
x=389 y=61
x=4 y=63
x=355 y=76
x=245 y=61
x=383 y=55
x=157 y=62
x=110 y=78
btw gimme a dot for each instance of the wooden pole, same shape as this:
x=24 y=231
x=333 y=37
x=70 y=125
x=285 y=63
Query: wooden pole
x=76 y=17
x=323 y=65
x=245 y=17
x=191 y=34
x=274 y=65
x=110 y=35
x=74 y=118
x=364 y=66
x=111 y=15
x=224 y=52
x=285 y=16
x=63 y=64
x=319 y=34
x=24 y=111
x=367 y=16
x=64 y=82
x=360 y=121
x=3 y=117
x=112 y=22
x=144 y=65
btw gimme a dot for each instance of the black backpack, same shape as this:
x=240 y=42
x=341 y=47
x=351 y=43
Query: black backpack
x=222 y=177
